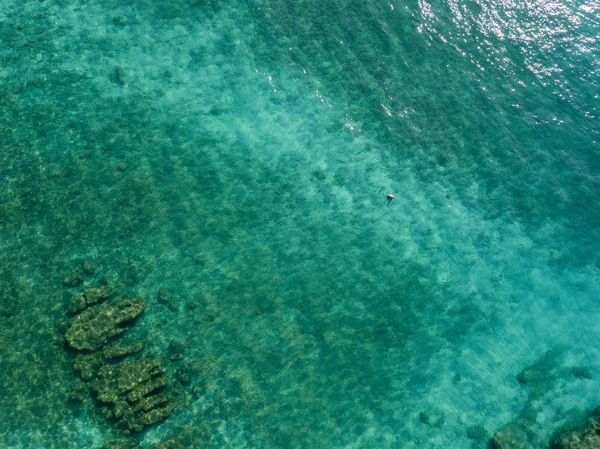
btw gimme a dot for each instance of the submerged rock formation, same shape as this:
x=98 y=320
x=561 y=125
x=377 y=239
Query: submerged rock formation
x=93 y=327
x=135 y=394
x=525 y=432
x=88 y=365
x=585 y=435
x=133 y=390
x=120 y=349
x=513 y=436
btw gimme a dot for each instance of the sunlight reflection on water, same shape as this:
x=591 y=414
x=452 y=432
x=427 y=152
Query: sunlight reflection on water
x=555 y=40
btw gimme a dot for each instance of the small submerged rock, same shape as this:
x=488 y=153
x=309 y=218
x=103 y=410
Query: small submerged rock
x=184 y=375
x=95 y=295
x=164 y=296
x=77 y=303
x=508 y=439
x=120 y=349
x=78 y=392
x=477 y=433
x=581 y=372
x=89 y=297
x=8 y=305
x=176 y=350
x=432 y=418
x=89 y=267
x=88 y=364
x=73 y=279
x=120 y=20
x=118 y=76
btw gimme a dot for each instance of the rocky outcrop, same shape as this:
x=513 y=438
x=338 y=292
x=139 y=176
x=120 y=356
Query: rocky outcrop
x=133 y=391
x=91 y=328
x=120 y=349
x=511 y=437
x=88 y=365
x=584 y=435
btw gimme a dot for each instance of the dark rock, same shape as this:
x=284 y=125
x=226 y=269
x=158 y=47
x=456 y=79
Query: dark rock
x=87 y=365
x=197 y=391
x=120 y=349
x=176 y=350
x=184 y=375
x=507 y=438
x=78 y=392
x=432 y=418
x=95 y=295
x=215 y=110
x=543 y=371
x=95 y=325
x=320 y=174
x=134 y=394
x=106 y=413
x=120 y=20
x=581 y=372
x=477 y=433
x=118 y=76
x=63 y=327
x=77 y=303
x=164 y=295
x=73 y=279
x=57 y=340
x=106 y=280
x=523 y=432
x=89 y=267
x=526 y=376
x=8 y=305
x=89 y=297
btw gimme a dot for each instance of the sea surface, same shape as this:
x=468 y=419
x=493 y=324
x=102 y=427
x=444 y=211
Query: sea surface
x=238 y=155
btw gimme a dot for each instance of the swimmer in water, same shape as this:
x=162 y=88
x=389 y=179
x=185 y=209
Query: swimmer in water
x=390 y=198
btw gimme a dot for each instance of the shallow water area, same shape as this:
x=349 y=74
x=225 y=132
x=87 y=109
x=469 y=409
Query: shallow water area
x=238 y=157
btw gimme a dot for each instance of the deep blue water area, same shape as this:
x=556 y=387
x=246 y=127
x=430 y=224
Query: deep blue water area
x=237 y=155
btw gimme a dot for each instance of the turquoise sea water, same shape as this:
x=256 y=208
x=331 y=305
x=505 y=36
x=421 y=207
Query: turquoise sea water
x=239 y=154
